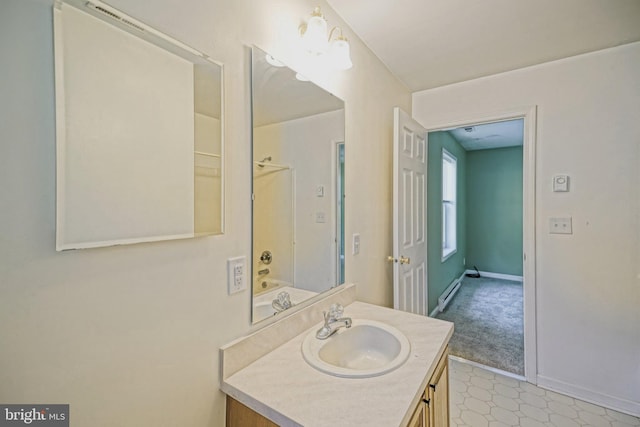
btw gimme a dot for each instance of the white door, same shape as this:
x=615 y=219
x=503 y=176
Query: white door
x=409 y=214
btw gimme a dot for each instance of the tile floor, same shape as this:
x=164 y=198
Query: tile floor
x=480 y=398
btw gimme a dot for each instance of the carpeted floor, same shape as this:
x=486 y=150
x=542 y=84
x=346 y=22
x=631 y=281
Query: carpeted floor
x=488 y=318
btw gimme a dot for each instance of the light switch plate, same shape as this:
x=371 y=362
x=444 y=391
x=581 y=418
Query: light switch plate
x=356 y=244
x=560 y=225
x=236 y=274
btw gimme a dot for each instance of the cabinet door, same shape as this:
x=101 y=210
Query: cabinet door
x=420 y=418
x=438 y=392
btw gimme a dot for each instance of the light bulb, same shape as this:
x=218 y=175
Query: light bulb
x=340 y=55
x=314 y=37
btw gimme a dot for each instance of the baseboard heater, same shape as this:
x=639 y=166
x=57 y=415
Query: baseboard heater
x=448 y=294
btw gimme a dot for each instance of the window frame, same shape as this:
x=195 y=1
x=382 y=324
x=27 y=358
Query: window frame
x=449 y=195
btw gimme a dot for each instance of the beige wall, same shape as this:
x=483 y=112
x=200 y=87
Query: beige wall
x=588 y=283
x=129 y=335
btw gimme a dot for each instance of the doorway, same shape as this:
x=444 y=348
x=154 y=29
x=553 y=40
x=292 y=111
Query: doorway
x=481 y=188
x=414 y=295
x=528 y=120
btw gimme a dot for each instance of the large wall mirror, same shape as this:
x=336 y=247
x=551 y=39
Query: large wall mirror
x=298 y=188
x=139 y=132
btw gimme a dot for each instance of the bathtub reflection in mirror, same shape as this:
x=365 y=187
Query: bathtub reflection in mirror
x=298 y=188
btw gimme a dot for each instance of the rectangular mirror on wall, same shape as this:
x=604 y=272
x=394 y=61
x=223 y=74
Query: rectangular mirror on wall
x=139 y=132
x=298 y=188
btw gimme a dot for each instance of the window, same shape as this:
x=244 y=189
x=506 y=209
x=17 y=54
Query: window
x=449 y=170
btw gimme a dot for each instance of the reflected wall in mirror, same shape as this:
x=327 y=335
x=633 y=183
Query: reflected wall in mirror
x=298 y=188
x=139 y=132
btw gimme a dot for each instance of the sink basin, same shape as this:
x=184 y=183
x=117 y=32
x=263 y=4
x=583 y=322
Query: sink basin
x=367 y=349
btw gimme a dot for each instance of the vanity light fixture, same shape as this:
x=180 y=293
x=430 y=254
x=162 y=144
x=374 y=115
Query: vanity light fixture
x=335 y=52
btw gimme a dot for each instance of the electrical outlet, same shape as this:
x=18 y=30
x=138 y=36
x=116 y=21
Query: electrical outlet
x=236 y=277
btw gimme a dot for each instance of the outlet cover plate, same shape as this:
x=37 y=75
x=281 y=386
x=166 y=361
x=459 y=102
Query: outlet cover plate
x=560 y=225
x=236 y=274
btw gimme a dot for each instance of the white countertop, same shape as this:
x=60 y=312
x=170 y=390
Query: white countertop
x=284 y=388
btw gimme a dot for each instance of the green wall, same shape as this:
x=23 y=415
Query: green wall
x=494 y=210
x=441 y=274
x=489 y=219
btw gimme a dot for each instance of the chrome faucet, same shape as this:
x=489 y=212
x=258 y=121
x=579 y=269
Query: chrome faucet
x=282 y=302
x=333 y=321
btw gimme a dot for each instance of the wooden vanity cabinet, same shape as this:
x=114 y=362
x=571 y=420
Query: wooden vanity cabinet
x=238 y=415
x=433 y=408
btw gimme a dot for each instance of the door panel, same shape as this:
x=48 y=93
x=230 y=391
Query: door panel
x=409 y=214
x=407 y=208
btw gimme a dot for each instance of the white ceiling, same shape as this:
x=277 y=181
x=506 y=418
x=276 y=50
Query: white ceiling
x=431 y=43
x=490 y=135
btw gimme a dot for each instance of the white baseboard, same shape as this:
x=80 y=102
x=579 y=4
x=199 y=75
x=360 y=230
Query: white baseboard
x=580 y=393
x=496 y=275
